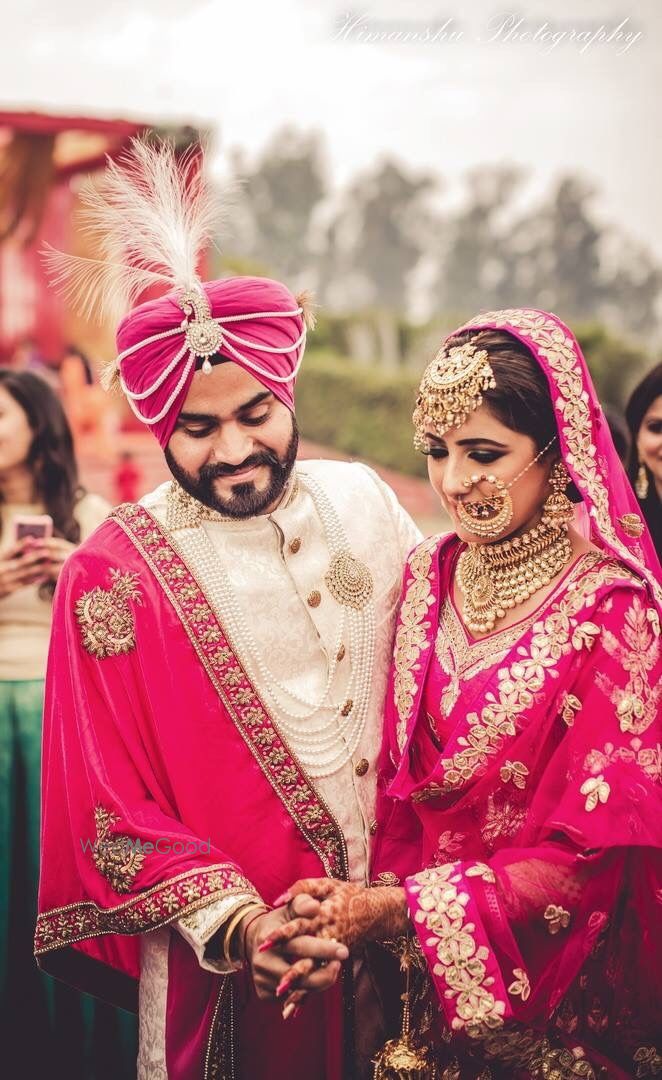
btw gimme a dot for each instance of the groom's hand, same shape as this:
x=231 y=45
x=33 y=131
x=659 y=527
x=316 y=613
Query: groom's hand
x=269 y=963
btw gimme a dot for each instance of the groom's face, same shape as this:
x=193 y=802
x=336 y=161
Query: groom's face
x=234 y=445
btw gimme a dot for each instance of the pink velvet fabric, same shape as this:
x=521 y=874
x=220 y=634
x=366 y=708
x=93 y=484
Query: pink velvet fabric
x=227 y=297
x=157 y=748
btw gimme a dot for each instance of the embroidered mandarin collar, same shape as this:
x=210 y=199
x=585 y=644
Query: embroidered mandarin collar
x=183 y=511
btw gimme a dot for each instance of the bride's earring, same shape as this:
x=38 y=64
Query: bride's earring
x=558 y=509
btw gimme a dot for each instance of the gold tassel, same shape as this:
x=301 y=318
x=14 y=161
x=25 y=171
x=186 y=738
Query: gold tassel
x=401 y=1059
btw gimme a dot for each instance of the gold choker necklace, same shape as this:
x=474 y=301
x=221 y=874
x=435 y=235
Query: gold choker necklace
x=496 y=577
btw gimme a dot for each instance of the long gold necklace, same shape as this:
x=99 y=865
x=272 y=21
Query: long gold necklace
x=497 y=577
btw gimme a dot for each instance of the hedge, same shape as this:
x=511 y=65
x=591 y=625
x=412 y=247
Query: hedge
x=359 y=410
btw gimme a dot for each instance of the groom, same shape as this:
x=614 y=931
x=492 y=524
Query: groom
x=214 y=702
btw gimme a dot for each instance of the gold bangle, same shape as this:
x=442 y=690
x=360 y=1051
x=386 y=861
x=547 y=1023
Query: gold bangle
x=245 y=909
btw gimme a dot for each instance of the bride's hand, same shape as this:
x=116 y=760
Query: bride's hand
x=349 y=913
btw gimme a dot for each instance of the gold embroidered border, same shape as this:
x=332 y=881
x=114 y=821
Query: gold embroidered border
x=220 y=1053
x=441 y=904
x=411 y=638
x=246 y=709
x=518 y=684
x=153 y=908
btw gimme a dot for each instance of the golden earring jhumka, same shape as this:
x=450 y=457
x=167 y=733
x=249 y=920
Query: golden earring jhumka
x=641 y=483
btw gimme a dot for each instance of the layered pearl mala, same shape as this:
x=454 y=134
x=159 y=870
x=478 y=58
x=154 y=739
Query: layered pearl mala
x=326 y=742
x=497 y=577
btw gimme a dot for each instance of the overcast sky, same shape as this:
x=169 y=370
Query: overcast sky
x=581 y=94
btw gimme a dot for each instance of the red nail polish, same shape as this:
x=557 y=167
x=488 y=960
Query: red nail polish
x=282 y=987
x=265 y=946
x=284 y=898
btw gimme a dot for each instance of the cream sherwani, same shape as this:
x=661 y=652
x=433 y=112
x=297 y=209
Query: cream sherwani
x=265 y=579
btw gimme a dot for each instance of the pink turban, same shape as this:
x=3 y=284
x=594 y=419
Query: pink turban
x=255 y=322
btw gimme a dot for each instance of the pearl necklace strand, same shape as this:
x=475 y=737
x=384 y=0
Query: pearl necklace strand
x=330 y=742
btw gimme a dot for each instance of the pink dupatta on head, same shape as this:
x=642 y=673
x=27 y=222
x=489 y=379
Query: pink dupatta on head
x=610 y=514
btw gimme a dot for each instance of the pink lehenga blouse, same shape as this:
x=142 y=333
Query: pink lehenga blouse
x=520 y=797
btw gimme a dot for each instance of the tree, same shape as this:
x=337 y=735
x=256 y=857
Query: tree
x=472 y=271
x=376 y=238
x=280 y=195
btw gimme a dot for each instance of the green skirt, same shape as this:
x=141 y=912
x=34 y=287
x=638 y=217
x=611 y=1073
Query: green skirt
x=47 y=1028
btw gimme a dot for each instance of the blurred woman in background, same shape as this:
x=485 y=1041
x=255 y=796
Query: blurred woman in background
x=38 y=476
x=644 y=416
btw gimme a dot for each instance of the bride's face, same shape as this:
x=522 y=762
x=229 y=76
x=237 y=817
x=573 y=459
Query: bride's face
x=484 y=445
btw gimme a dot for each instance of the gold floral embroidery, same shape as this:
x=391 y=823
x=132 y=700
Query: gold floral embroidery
x=585 y=635
x=557 y=918
x=519 y=684
x=515 y=772
x=411 y=636
x=648 y=758
x=481 y=870
x=449 y=844
x=648 y=1062
x=147 y=911
x=569 y=706
x=386 y=879
x=115 y=855
x=524 y=1048
x=441 y=908
x=521 y=986
x=636 y=704
x=502 y=819
x=597 y=790
x=105 y=618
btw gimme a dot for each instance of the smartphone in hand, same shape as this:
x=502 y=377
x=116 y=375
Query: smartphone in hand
x=39 y=526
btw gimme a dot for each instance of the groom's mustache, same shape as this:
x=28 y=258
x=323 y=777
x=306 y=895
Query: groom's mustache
x=264 y=457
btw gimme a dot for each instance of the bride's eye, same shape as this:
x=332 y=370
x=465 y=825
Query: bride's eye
x=434 y=451
x=485 y=457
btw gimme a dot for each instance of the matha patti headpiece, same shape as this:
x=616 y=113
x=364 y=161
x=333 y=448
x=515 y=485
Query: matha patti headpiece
x=451 y=389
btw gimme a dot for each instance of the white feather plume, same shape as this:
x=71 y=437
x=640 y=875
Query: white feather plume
x=151 y=216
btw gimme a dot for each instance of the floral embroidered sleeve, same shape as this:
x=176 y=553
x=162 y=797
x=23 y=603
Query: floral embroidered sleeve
x=509 y=937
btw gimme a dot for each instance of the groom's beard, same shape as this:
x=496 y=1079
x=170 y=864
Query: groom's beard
x=246 y=500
